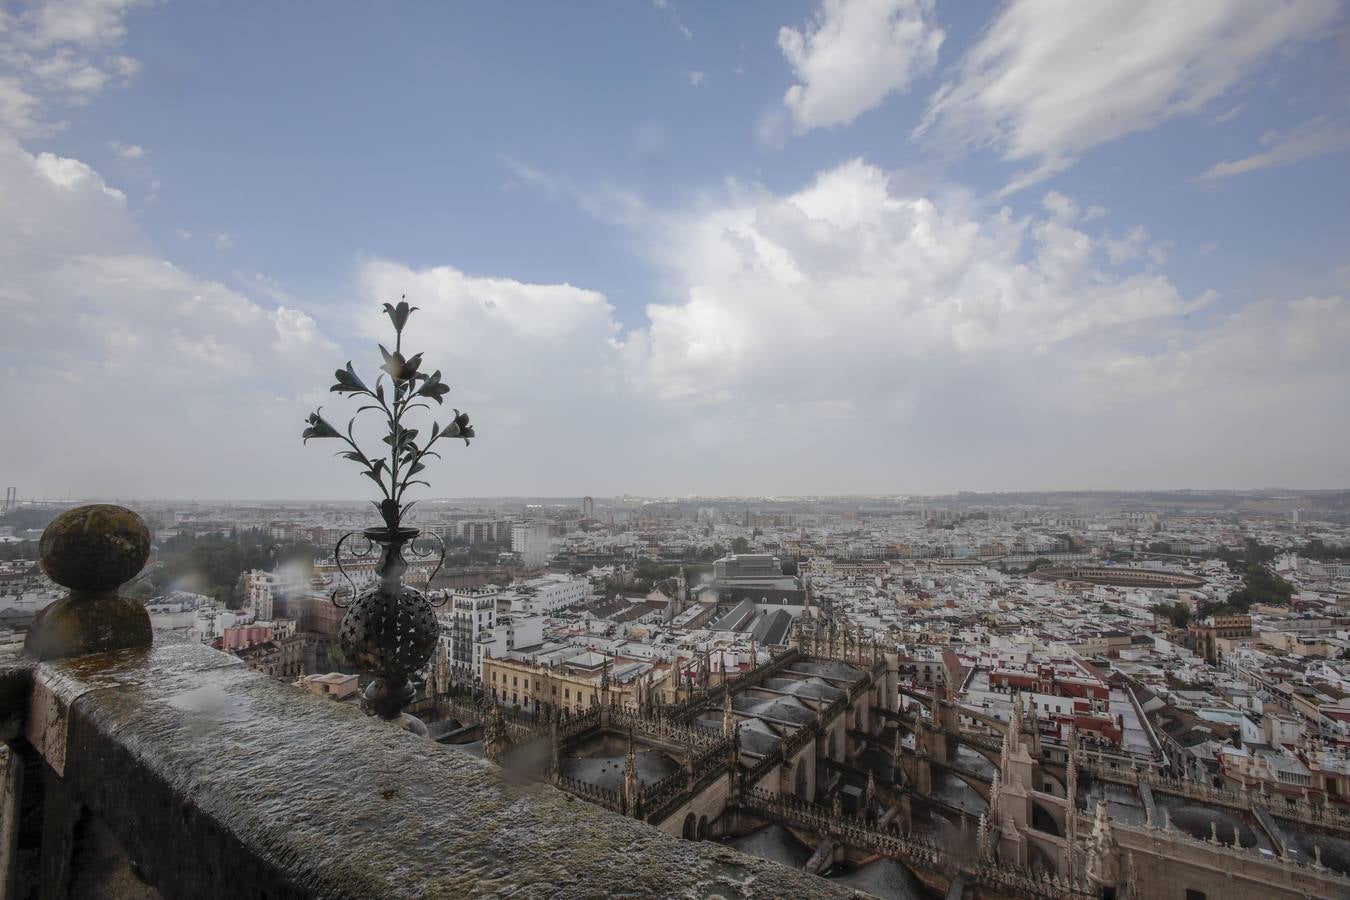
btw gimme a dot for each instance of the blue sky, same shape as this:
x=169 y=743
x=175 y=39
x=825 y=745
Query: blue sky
x=672 y=248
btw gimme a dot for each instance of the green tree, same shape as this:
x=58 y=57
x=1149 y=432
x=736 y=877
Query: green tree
x=740 y=545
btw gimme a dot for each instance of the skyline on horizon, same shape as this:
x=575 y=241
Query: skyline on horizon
x=809 y=249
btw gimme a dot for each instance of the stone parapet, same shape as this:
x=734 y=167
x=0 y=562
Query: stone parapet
x=212 y=780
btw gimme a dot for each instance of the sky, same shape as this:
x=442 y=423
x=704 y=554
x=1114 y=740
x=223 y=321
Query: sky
x=667 y=248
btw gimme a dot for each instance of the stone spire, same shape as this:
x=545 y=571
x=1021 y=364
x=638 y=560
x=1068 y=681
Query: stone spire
x=1015 y=726
x=1103 y=866
x=870 y=794
x=995 y=789
x=632 y=786
x=728 y=718
x=984 y=846
x=1071 y=784
x=754 y=654
x=554 y=765
x=1071 y=807
x=496 y=742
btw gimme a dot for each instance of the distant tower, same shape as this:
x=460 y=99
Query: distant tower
x=587 y=508
x=11 y=498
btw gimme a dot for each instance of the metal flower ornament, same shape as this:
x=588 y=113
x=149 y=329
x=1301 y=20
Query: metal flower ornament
x=389 y=630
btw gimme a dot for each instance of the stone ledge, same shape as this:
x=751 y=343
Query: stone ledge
x=219 y=781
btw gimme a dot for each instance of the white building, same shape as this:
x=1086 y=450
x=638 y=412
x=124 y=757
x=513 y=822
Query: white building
x=548 y=593
x=510 y=633
x=467 y=624
x=532 y=542
x=260 y=589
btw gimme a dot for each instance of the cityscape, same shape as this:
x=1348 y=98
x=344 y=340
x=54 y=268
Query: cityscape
x=670 y=449
x=873 y=689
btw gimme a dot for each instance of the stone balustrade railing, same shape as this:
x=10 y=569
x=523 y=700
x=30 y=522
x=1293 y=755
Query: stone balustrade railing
x=763 y=766
x=798 y=739
x=1298 y=811
x=610 y=800
x=665 y=729
x=670 y=788
x=1240 y=856
x=1014 y=880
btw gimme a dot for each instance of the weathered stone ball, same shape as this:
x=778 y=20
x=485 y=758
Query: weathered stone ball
x=95 y=548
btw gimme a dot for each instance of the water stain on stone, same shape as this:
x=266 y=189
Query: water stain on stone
x=209 y=701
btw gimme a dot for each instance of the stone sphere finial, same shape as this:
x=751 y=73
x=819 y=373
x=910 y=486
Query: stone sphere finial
x=95 y=548
x=92 y=550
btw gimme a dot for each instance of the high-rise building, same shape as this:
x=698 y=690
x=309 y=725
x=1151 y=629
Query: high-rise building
x=532 y=542
x=587 y=508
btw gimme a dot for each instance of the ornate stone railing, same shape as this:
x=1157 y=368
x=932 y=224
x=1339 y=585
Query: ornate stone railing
x=1299 y=811
x=794 y=742
x=1328 y=882
x=915 y=852
x=664 y=729
x=834 y=708
x=519 y=726
x=610 y=800
x=662 y=793
x=766 y=764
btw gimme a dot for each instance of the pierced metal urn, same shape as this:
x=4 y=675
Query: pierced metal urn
x=389 y=630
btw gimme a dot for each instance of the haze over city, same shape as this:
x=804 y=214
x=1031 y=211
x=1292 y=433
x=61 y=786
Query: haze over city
x=655 y=448
x=669 y=249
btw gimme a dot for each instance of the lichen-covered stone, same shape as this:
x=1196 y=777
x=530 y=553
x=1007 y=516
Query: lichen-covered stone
x=92 y=550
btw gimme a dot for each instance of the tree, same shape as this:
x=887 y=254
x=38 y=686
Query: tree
x=1178 y=614
x=740 y=545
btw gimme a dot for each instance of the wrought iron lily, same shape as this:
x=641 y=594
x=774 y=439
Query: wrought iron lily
x=389 y=630
x=410 y=390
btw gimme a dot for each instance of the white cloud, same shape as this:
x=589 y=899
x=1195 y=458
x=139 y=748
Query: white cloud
x=667 y=7
x=697 y=78
x=158 y=381
x=855 y=335
x=1046 y=82
x=1229 y=114
x=223 y=240
x=874 y=283
x=59 y=52
x=127 y=151
x=853 y=54
x=1319 y=137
